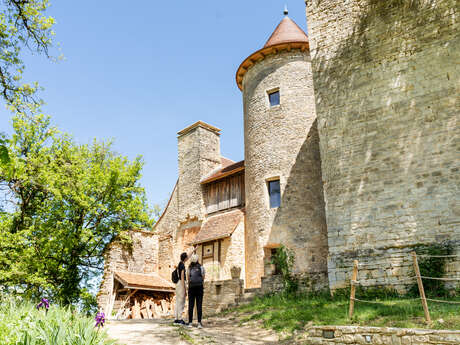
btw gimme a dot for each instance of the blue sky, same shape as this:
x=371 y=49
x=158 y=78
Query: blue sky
x=141 y=72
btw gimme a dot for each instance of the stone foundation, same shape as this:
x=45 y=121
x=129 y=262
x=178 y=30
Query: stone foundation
x=219 y=295
x=338 y=335
x=390 y=268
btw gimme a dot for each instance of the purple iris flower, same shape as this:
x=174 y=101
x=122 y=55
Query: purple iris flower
x=43 y=303
x=100 y=319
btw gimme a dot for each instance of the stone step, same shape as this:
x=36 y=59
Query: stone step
x=250 y=295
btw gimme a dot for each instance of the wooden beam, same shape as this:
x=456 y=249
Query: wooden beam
x=353 y=288
x=124 y=303
x=420 y=288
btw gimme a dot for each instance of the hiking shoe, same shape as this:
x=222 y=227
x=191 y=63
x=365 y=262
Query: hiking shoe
x=200 y=325
x=182 y=322
x=176 y=323
x=189 y=324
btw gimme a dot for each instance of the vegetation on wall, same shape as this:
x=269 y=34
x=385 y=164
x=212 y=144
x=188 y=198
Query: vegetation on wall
x=433 y=263
x=61 y=203
x=283 y=259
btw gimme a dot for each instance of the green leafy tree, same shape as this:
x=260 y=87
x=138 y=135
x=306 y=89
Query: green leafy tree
x=23 y=24
x=62 y=204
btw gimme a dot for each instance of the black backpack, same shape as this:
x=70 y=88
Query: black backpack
x=196 y=278
x=175 y=276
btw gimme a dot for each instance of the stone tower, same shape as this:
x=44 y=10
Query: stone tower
x=387 y=100
x=198 y=155
x=284 y=196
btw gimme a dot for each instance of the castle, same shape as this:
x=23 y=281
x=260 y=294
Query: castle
x=351 y=152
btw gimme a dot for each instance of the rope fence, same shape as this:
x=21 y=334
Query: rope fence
x=418 y=277
x=445 y=279
x=438 y=256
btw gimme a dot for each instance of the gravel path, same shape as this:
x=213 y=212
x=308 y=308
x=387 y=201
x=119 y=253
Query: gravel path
x=219 y=331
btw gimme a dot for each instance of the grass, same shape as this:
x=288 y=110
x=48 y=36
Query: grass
x=22 y=324
x=289 y=312
x=183 y=334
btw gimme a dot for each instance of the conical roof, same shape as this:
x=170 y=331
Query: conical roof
x=287 y=35
x=286 y=31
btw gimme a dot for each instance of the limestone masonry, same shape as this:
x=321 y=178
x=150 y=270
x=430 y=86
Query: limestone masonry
x=387 y=79
x=351 y=152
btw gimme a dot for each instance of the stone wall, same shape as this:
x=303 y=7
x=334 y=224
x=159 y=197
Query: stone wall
x=231 y=255
x=346 y=335
x=220 y=295
x=166 y=228
x=198 y=155
x=142 y=257
x=386 y=81
x=282 y=142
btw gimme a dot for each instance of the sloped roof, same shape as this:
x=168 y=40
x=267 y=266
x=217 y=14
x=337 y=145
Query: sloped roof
x=286 y=31
x=287 y=35
x=143 y=281
x=226 y=161
x=219 y=226
x=224 y=172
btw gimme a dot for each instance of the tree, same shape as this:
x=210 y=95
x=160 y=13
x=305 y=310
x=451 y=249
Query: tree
x=63 y=203
x=22 y=24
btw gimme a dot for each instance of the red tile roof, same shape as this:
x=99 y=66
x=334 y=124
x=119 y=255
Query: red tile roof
x=224 y=172
x=287 y=35
x=219 y=226
x=286 y=31
x=226 y=162
x=143 y=281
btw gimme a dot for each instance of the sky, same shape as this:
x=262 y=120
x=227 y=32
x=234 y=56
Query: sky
x=138 y=72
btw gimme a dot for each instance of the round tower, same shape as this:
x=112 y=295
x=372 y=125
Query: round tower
x=284 y=195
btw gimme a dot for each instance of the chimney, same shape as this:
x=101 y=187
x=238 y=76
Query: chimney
x=199 y=154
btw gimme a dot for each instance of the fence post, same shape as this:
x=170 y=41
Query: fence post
x=353 y=288
x=420 y=288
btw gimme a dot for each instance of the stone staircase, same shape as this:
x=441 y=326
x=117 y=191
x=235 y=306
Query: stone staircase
x=247 y=296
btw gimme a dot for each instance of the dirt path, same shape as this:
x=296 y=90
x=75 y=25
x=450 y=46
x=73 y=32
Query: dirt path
x=219 y=331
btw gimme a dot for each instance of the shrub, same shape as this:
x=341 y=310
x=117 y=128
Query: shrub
x=432 y=267
x=283 y=259
x=22 y=324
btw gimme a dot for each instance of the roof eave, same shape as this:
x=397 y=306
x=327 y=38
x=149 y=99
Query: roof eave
x=211 y=239
x=226 y=174
x=262 y=53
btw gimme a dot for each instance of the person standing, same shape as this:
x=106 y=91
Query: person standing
x=195 y=276
x=180 y=290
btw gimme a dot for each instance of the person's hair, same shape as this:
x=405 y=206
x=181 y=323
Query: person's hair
x=183 y=256
x=193 y=264
x=194 y=261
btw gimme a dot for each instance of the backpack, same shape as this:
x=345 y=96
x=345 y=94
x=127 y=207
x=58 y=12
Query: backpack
x=196 y=276
x=175 y=276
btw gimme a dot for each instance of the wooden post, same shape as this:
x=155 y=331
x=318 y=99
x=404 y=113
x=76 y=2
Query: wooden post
x=420 y=288
x=354 y=278
x=124 y=303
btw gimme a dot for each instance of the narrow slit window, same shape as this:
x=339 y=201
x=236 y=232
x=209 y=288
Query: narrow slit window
x=275 y=193
x=274 y=98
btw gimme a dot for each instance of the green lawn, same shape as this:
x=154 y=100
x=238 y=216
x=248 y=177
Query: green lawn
x=289 y=312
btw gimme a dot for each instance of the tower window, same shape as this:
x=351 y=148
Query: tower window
x=274 y=98
x=274 y=192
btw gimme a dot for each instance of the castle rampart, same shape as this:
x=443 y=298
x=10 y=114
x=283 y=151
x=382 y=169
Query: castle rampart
x=386 y=81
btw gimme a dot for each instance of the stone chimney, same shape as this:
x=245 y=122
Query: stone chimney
x=199 y=154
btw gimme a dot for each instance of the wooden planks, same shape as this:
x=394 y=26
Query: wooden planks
x=147 y=305
x=225 y=193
